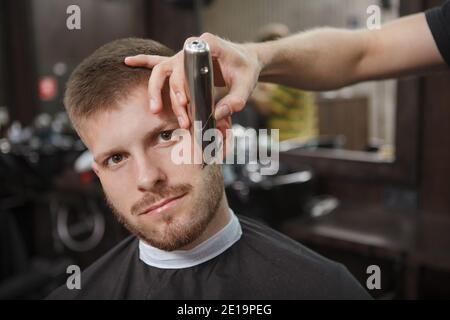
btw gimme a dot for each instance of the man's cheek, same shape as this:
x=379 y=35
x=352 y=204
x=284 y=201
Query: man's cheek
x=117 y=192
x=121 y=204
x=185 y=173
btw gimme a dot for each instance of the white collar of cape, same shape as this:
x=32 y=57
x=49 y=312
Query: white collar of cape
x=205 y=251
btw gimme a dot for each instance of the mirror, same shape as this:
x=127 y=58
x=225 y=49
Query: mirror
x=359 y=118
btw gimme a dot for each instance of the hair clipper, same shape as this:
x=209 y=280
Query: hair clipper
x=199 y=75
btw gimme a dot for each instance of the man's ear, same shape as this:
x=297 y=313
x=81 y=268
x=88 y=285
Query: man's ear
x=224 y=126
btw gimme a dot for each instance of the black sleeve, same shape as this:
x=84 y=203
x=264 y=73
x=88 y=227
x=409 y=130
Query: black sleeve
x=439 y=21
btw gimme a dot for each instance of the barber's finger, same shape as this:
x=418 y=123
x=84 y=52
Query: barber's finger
x=178 y=79
x=155 y=85
x=179 y=110
x=224 y=126
x=144 y=60
x=214 y=44
x=233 y=102
x=178 y=97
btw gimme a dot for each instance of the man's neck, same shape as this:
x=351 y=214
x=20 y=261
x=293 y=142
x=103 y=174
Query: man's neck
x=221 y=219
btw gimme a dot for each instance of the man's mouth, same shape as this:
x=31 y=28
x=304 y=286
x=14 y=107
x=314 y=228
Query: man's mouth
x=162 y=205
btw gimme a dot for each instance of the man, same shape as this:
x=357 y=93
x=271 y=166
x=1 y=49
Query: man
x=187 y=243
x=321 y=59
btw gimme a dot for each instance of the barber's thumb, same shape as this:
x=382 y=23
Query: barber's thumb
x=228 y=105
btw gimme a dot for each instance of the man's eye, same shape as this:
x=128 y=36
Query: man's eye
x=165 y=136
x=115 y=159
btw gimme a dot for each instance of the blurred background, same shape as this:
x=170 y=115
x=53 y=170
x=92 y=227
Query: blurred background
x=364 y=171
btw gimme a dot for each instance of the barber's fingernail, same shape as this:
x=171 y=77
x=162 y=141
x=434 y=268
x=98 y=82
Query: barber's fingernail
x=153 y=105
x=222 y=112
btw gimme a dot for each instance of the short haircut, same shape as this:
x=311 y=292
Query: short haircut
x=101 y=80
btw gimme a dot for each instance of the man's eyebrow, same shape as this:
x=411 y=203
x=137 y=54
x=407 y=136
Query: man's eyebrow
x=148 y=136
x=106 y=155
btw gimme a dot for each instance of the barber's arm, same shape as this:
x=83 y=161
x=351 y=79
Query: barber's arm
x=321 y=59
x=326 y=59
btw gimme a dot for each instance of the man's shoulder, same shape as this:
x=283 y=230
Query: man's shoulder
x=261 y=236
x=278 y=254
x=100 y=274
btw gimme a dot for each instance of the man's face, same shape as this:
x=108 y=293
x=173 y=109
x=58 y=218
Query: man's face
x=166 y=204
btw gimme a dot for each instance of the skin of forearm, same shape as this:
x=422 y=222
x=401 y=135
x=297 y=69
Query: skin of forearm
x=321 y=59
x=326 y=58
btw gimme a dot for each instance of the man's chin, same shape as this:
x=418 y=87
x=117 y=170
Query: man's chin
x=169 y=241
x=171 y=233
x=167 y=246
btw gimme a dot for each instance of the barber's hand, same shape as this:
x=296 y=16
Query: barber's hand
x=236 y=66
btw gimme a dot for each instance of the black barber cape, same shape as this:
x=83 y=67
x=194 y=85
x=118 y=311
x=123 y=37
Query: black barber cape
x=262 y=264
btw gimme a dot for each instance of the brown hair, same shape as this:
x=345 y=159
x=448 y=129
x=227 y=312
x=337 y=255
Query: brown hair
x=102 y=79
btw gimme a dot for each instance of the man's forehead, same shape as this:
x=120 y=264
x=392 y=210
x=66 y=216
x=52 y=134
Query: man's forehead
x=131 y=115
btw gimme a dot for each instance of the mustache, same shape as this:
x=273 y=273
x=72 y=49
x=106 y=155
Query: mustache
x=158 y=194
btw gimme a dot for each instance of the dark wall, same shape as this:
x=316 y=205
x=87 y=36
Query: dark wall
x=19 y=69
x=3 y=89
x=169 y=24
x=37 y=39
x=101 y=21
x=435 y=145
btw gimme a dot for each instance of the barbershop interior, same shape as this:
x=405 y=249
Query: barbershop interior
x=363 y=172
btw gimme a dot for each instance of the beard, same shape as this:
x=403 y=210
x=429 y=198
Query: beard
x=177 y=233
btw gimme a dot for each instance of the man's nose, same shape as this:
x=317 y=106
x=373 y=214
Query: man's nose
x=148 y=174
